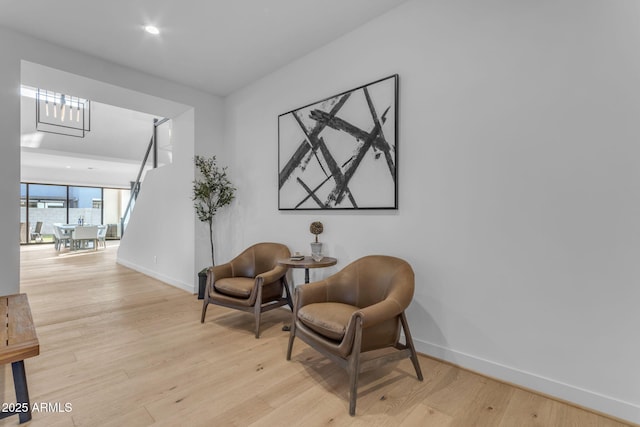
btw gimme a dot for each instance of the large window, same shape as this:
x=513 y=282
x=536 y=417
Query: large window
x=113 y=206
x=42 y=205
x=85 y=205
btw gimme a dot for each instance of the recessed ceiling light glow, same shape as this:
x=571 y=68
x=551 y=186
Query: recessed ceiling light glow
x=152 y=30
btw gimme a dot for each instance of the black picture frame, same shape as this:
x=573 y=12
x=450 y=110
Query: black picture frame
x=341 y=152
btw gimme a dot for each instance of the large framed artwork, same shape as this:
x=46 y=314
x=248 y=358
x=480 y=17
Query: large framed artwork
x=341 y=152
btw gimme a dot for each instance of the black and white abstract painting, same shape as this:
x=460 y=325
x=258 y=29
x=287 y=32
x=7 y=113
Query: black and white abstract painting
x=340 y=153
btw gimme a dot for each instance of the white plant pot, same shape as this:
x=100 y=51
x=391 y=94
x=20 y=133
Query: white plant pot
x=316 y=251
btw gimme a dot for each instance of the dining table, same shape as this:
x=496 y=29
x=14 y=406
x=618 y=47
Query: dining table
x=67 y=229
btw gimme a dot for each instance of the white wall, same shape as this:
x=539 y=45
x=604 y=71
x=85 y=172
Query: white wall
x=518 y=174
x=154 y=241
x=10 y=166
x=115 y=85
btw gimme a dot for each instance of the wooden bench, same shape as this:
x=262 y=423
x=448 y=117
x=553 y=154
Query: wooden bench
x=18 y=341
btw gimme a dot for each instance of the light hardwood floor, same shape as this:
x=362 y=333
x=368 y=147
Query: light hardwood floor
x=127 y=350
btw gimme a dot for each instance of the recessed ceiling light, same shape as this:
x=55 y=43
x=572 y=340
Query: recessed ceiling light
x=68 y=167
x=152 y=30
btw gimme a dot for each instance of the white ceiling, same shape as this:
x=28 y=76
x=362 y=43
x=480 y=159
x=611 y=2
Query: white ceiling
x=217 y=46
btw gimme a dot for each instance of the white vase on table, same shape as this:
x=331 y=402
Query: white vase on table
x=316 y=251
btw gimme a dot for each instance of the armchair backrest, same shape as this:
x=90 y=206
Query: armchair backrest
x=258 y=259
x=372 y=279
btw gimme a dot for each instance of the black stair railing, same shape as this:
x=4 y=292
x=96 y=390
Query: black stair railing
x=135 y=187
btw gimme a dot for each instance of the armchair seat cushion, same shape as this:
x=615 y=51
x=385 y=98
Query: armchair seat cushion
x=239 y=287
x=329 y=319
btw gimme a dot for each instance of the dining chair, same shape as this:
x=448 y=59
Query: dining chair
x=36 y=234
x=61 y=238
x=82 y=235
x=23 y=232
x=102 y=236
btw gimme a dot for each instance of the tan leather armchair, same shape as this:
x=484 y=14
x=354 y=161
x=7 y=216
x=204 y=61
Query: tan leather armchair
x=251 y=282
x=356 y=311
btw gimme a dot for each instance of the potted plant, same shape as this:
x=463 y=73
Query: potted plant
x=212 y=190
x=316 y=228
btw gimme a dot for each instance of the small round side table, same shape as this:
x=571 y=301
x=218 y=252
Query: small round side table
x=307 y=263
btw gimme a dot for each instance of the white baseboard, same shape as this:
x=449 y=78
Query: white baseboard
x=547 y=386
x=166 y=279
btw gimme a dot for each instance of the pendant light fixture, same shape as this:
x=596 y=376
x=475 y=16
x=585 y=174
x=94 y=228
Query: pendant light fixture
x=62 y=122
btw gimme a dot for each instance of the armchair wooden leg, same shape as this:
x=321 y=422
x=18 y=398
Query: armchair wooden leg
x=257 y=307
x=353 y=367
x=409 y=340
x=205 y=304
x=257 y=315
x=292 y=336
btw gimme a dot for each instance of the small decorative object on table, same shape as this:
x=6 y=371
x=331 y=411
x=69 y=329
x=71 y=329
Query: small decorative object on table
x=297 y=257
x=316 y=247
